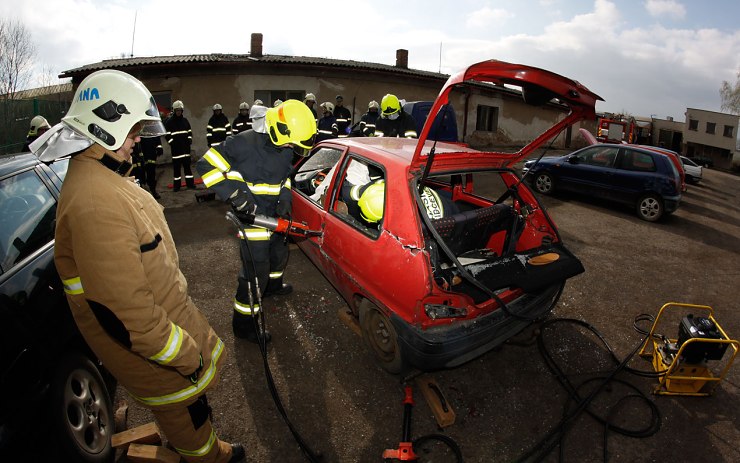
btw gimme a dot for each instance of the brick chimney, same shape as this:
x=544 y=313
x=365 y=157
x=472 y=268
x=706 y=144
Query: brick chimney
x=256 y=48
x=402 y=58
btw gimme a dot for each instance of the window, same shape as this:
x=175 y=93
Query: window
x=360 y=178
x=637 y=161
x=315 y=175
x=693 y=124
x=711 y=127
x=486 y=118
x=269 y=97
x=27 y=214
x=728 y=131
x=602 y=156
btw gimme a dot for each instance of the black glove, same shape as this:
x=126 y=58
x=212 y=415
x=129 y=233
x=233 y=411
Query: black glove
x=283 y=209
x=242 y=203
x=193 y=377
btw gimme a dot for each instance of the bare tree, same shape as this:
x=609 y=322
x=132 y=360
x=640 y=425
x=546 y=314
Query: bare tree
x=17 y=54
x=47 y=77
x=731 y=96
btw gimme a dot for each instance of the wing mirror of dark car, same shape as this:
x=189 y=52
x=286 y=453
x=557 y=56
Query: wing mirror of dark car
x=573 y=160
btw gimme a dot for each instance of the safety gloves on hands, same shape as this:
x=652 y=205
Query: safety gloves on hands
x=242 y=203
x=283 y=209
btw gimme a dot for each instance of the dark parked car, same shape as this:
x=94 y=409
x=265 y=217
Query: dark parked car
x=52 y=389
x=433 y=287
x=637 y=176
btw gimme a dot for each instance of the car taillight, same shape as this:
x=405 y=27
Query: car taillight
x=435 y=311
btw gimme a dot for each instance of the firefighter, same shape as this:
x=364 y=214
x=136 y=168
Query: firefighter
x=257 y=116
x=368 y=120
x=241 y=122
x=180 y=137
x=251 y=172
x=393 y=121
x=118 y=264
x=39 y=125
x=310 y=101
x=327 y=127
x=371 y=196
x=149 y=149
x=218 y=126
x=344 y=117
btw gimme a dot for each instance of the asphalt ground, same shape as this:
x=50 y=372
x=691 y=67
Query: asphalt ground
x=507 y=400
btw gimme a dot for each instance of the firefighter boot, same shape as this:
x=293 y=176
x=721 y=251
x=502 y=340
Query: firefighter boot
x=245 y=327
x=276 y=287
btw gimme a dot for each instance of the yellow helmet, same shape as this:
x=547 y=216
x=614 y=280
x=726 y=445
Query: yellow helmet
x=371 y=202
x=291 y=123
x=390 y=104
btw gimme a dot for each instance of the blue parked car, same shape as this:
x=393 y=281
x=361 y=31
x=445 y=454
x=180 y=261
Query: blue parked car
x=637 y=176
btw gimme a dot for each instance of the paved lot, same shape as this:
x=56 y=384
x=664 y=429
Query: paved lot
x=507 y=400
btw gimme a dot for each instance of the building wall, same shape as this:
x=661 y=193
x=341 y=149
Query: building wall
x=700 y=135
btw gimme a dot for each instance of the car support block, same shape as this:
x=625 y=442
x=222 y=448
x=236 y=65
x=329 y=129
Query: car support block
x=443 y=412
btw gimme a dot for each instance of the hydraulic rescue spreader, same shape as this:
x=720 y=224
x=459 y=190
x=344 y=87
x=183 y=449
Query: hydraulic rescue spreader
x=278 y=224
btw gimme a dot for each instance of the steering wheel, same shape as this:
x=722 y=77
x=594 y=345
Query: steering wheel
x=317 y=178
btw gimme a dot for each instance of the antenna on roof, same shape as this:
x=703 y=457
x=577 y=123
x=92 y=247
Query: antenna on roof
x=133 y=35
x=440 y=57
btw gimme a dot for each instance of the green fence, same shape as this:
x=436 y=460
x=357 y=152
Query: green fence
x=16 y=115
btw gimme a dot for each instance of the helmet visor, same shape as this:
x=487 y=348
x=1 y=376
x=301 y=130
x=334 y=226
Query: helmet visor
x=150 y=128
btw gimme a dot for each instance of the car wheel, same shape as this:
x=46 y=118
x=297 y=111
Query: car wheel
x=544 y=183
x=650 y=208
x=381 y=338
x=81 y=412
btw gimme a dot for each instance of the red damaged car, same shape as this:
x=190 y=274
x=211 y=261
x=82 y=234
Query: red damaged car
x=453 y=254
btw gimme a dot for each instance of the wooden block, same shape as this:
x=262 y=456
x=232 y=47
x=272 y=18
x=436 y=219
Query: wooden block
x=350 y=321
x=141 y=453
x=144 y=434
x=441 y=408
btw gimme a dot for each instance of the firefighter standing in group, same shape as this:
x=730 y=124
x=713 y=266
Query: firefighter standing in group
x=251 y=172
x=343 y=115
x=369 y=119
x=180 y=137
x=327 y=127
x=119 y=267
x=146 y=153
x=242 y=122
x=218 y=126
x=393 y=121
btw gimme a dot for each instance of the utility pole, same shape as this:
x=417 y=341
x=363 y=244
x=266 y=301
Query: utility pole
x=440 y=57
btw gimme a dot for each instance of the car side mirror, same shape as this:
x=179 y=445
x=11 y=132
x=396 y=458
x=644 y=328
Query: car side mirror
x=573 y=160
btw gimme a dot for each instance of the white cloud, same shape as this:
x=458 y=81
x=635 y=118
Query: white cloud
x=487 y=17
x=665 y=8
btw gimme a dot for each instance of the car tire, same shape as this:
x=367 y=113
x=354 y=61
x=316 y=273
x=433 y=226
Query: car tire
x=650 y=208
x=544 y=183
x=381 y=337
x=81 y=411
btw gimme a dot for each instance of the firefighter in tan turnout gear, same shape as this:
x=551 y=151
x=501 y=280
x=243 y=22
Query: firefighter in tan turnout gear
x=251 y=172
x=120 y=269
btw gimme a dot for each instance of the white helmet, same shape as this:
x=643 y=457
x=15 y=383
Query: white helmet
x=373 y=104
x=243 y=105
x=38 y=122
x=107 y=104
x=178 y=105
x=277 y=103
x=309 y=97
x=326 y=106
x=217 y=106
x=259 y=102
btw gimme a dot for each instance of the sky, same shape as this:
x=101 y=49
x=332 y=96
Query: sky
x=643 y=57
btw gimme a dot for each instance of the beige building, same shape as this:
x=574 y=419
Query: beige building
x=712 y=135
x=494 y=115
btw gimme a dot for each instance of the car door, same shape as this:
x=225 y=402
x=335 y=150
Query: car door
x=590 y=170
x=634 y=176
